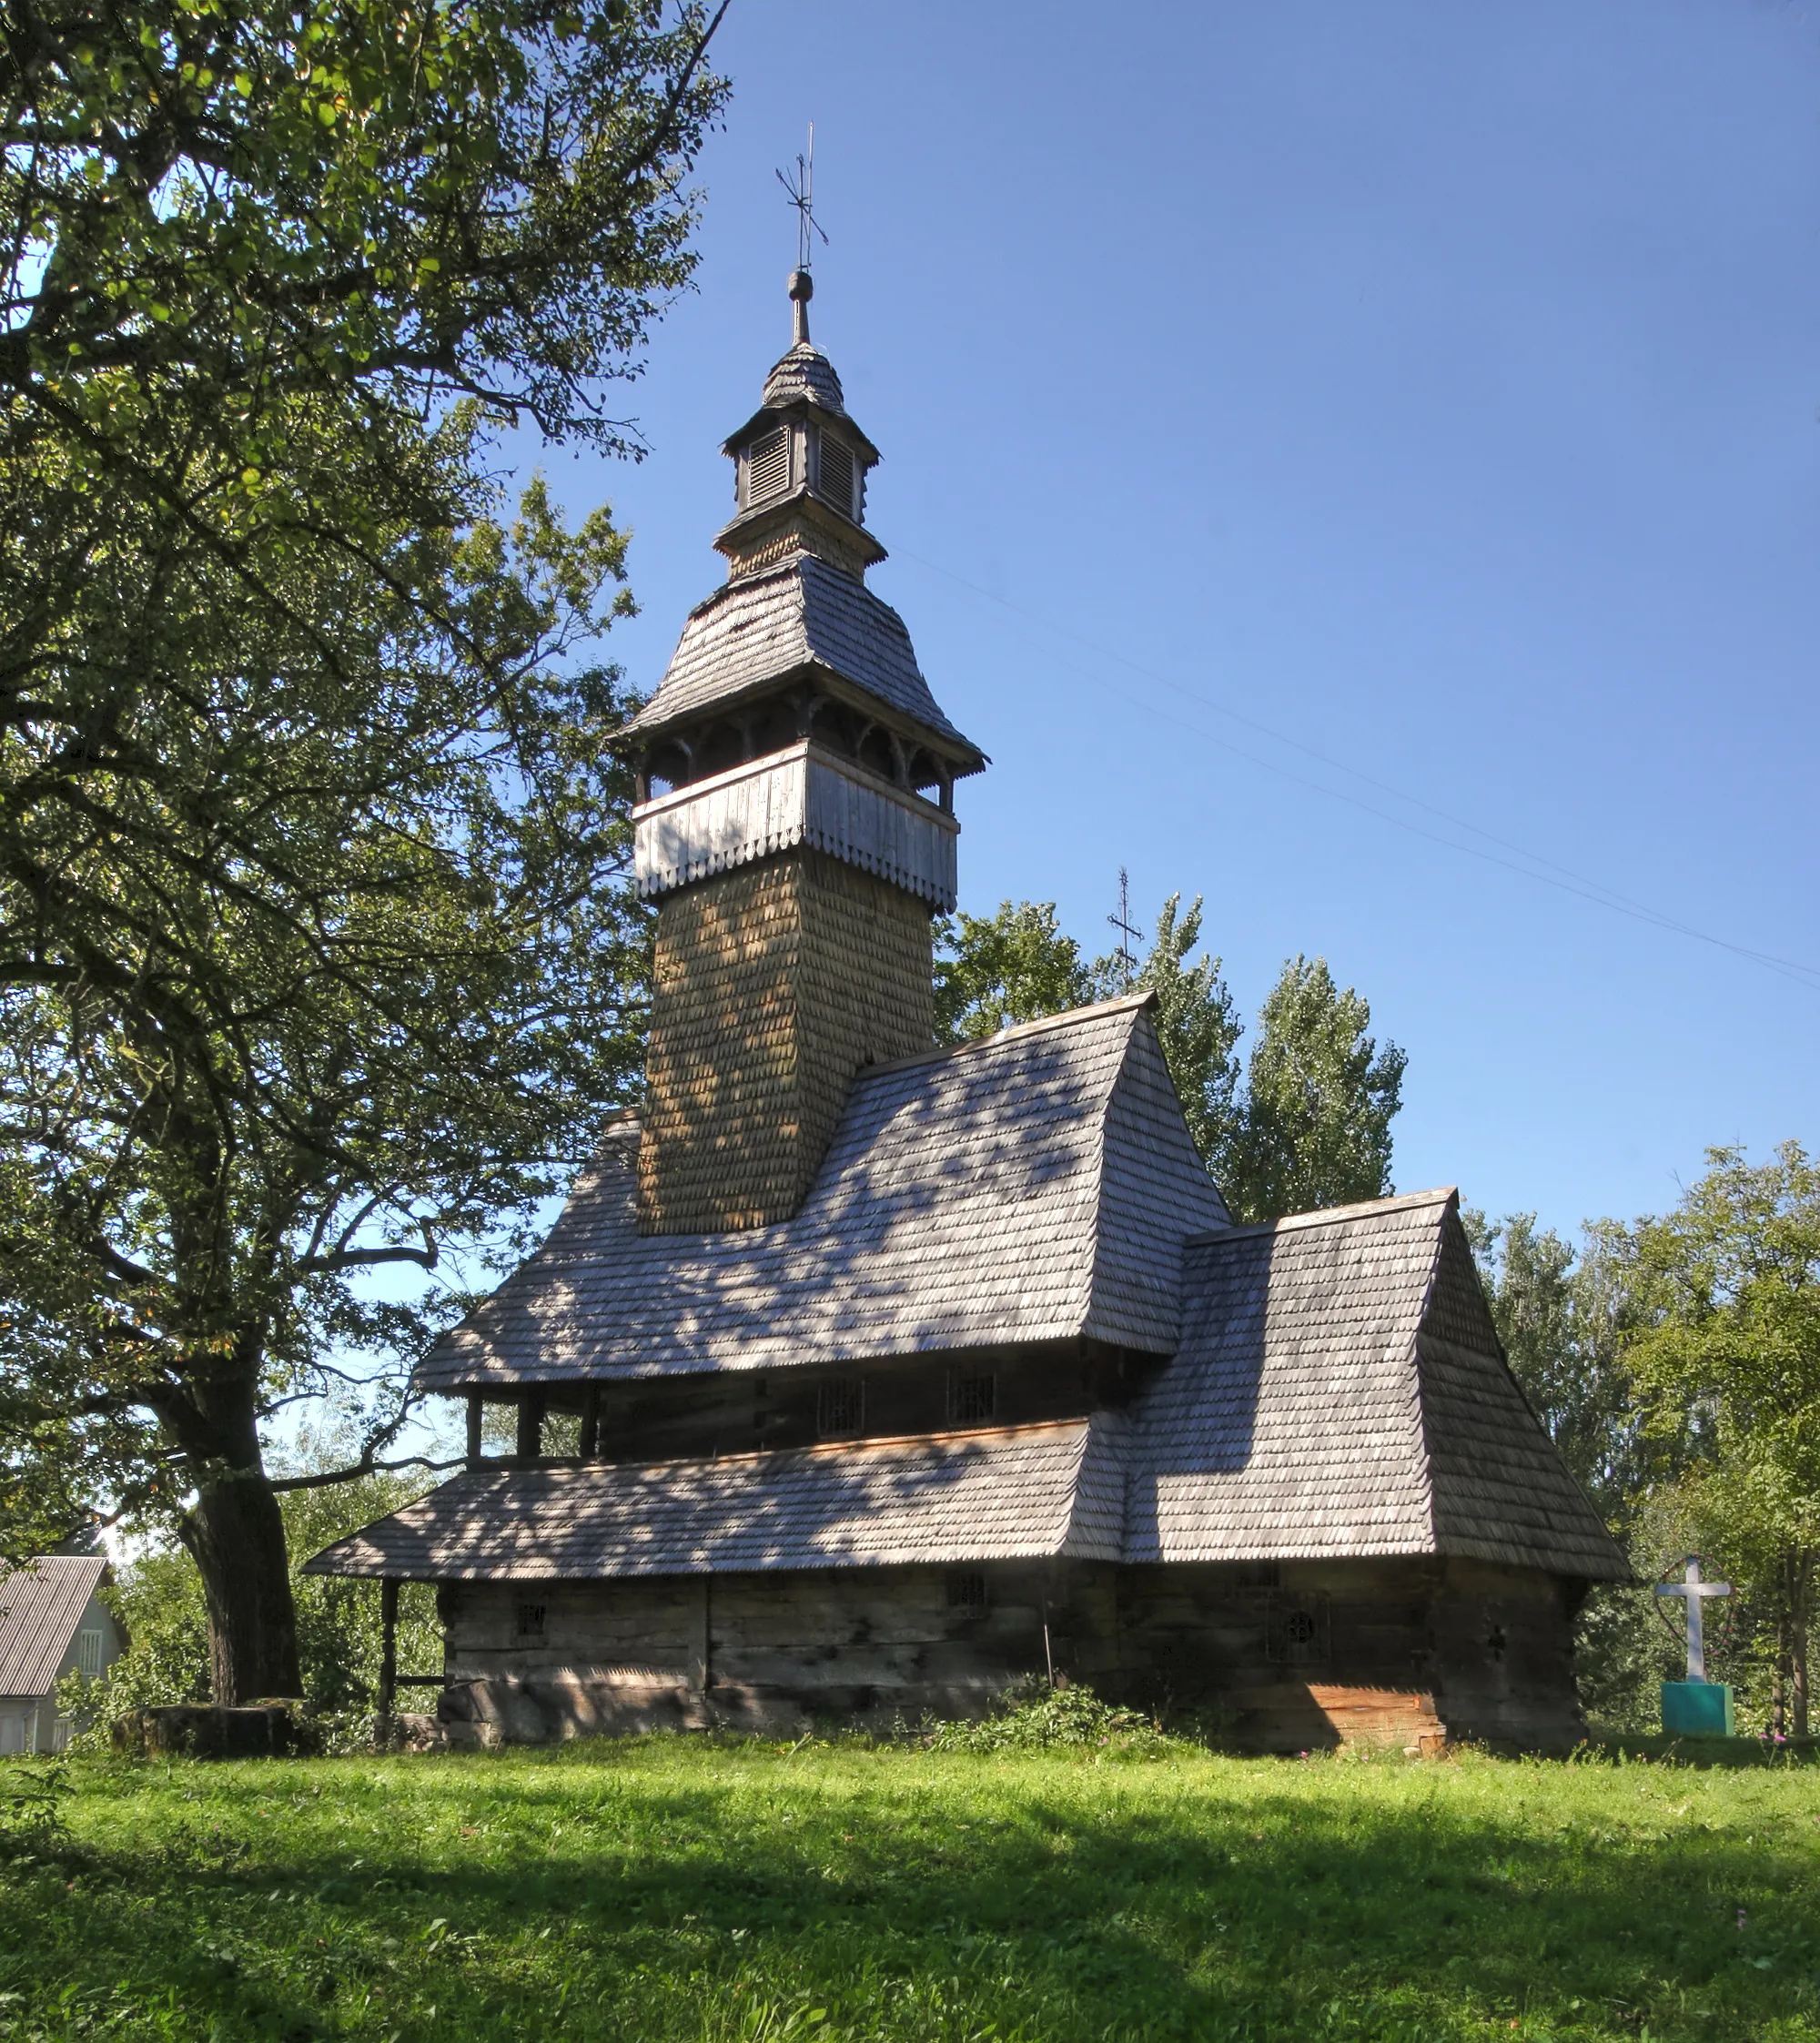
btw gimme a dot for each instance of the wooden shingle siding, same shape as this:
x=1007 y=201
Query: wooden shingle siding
x=1309 y=1411
x=774 y=983
x=801 y=795
x=798 y=618
x=963 y=1202
x=970 y=1497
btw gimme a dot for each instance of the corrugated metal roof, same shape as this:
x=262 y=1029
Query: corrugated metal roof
x=1027 y=1492
x=1037 y=1186
x=798 y=615
x=41 y=1606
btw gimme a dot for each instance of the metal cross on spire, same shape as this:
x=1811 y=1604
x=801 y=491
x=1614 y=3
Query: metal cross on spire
x=802 y=190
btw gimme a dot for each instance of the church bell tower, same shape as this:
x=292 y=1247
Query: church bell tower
x=794 y=824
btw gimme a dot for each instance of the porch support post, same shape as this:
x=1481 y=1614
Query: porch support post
x=530 y=1404
x=389 y=1616
x=476 y=1408
x=590 y=1423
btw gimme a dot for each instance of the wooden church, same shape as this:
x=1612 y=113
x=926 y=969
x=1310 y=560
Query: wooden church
x=900 y=1373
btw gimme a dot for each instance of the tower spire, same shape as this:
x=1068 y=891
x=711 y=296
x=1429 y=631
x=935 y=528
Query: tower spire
x=802 y=191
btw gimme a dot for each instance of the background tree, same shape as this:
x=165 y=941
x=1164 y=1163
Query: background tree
x=1196 y=1021
x=1309 y=1123
x=1562 y=1314
x=159 y=1597
x=995 y=971
x=1728 y=1365
x=1320 y=1098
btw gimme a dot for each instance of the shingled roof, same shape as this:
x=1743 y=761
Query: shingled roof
x=1028 y=1493
x=1037 y=1186
x=802 y=616
x=1340 y=1390
x=41 y=1605
x=1339 y=1393
x=805 y=373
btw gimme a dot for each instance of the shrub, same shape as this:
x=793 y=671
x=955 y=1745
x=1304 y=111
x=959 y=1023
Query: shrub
x=1032 y=1716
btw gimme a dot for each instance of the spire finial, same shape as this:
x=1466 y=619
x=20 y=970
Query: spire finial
x=802 y=289
x=802 y=190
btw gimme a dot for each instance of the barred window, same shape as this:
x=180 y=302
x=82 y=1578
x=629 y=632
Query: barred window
x=971 y=1399
x=840 y=1408
x=531 y=1621
x=967 y=1593
x=88 y=1653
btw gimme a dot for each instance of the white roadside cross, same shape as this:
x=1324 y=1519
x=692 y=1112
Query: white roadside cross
x=1694 y=1592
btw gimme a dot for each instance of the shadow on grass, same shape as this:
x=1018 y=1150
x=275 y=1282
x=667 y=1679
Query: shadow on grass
x=1054 y=1901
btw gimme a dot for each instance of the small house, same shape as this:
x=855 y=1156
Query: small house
x=53 y=1623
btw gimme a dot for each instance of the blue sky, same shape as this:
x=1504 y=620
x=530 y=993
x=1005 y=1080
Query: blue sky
x=1438 y=388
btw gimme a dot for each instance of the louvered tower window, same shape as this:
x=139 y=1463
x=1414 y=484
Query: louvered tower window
x=835 y=475
x=767 y=466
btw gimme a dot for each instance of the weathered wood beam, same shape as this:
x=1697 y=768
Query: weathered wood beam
x=388 y=1614
x=531 y=1403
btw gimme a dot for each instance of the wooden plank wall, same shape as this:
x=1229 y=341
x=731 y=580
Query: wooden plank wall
x=1298 y=1657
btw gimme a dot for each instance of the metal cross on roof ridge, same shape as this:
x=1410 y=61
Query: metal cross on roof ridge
x=1127 y=933
x=1693 y=1592
x=803 y=197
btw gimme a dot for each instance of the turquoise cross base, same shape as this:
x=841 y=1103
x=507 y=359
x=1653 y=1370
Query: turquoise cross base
x=1696 y=1709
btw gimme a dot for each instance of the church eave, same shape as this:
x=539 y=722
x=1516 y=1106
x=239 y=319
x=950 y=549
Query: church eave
x=958 y=752
x=797 y=412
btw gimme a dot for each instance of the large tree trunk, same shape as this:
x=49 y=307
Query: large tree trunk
x=238 y=1539
x=236 y=1535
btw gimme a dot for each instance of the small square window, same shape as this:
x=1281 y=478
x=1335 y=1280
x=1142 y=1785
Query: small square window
x=88 y=1653
x=967 y=1593
x=972 y=1399
x=531 y=1621
x=840 y=1408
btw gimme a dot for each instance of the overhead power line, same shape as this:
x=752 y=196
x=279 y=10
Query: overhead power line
x=1532 y=865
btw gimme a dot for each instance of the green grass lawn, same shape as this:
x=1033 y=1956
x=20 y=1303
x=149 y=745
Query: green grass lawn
x=674 y=1888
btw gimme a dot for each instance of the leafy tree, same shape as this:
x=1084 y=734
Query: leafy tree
x=380 y=1031
x=218 y=207
x=159 y=1599
x=1728 y=1363
x=314 y=946
x=995 y=971
x=1563 y=1315
x=1196 y=1021
x=1311 y=1124
x=1320 y=1098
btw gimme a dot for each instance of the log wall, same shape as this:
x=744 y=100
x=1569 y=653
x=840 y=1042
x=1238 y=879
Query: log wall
x=1407 y=1652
